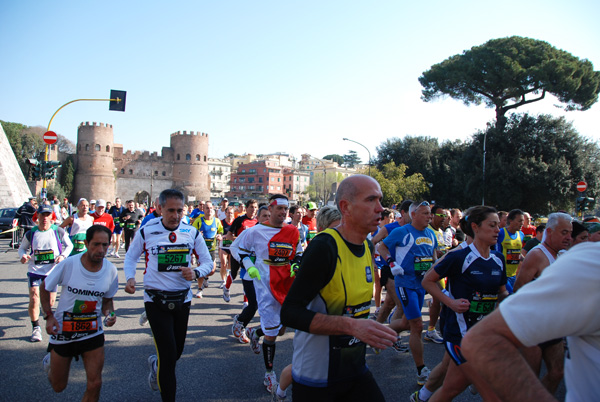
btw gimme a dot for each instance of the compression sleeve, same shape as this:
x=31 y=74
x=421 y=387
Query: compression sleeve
x=316 y=270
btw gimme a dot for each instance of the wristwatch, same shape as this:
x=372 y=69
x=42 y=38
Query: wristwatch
x=197 y=274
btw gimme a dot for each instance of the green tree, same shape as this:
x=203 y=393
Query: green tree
x=510 y=72
x=24 y=142
x=396 y=186
x=67 y=177
x=322 y=185
x=534 y=165
x=419 y=154
x=339 y=159
x=351 y=159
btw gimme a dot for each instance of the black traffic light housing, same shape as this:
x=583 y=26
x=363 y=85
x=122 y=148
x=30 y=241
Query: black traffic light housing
x=117 y=100
x=50 y=168
x=35 y=167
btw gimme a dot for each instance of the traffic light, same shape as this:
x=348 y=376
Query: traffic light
x=35 y=167
x=117 y=100
x=588 y=203
x=50 y=168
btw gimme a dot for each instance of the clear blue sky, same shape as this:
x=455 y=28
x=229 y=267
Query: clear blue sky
x=267 y=76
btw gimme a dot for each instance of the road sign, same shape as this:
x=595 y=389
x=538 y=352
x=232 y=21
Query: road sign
x=50 y=137
x=581 y=186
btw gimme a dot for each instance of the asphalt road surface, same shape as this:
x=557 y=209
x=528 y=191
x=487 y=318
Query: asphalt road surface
x=214 y=365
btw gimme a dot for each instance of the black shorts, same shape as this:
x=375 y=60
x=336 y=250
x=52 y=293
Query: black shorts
x=363 y=388
x=549 y=343
x=386 y=273
x=77 y=348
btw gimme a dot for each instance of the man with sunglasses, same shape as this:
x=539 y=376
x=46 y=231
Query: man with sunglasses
x=410 y=251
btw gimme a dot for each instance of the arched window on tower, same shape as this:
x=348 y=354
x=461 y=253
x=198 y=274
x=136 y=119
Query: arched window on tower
x=108 y=148
x=188 y=157
x=122 y=171
x=164 y=173
x=87 y=147
x=97 y=147
x=130 y=171
x=197 y=157
x=204 y=158
x=178 y=157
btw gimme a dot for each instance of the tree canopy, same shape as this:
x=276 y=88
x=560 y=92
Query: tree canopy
x=510 y=72
x=339 y=159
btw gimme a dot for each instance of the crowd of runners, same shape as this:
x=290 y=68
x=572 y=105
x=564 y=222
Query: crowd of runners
x=344 y=277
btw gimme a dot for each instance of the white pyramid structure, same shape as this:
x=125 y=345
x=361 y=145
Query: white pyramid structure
x=13 y=187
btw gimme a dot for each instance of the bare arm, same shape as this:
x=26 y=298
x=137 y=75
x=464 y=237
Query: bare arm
x=430 y=284
x=384 y=252
x=382 y=234
x=492 y=349
x=530 y=268
x=368 y=331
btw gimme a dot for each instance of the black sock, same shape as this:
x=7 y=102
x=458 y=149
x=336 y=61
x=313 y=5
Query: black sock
x=268 y=354
x=35 y=323
x=419 y=368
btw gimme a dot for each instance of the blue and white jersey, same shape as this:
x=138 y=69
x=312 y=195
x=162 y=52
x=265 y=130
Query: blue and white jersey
x=413 y=250
x=471 y=277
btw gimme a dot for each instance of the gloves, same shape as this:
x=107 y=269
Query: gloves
x=396 y=269
x=253 y=273
x=293 y=269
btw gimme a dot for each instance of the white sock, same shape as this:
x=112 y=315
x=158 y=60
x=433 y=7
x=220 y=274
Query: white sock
x=425 y=394
x=281 y=393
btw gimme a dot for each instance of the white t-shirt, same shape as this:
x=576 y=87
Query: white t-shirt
x=563 y=302
x=44 y=247
x=79 y=312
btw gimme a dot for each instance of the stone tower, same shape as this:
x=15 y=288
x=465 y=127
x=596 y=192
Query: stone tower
x=94 y=176
x=190 y=164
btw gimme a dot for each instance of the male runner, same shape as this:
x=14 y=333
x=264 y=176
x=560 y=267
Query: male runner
x=101 y=218
x=410 y=251
x=510 y=243
x=49 y=245
x=115 y=211
x=276 y=250
x=168 y=244
x=329 y=303
x=131 y=218
x=557 y=238
x=310 y=220
x=212 y=231
x=79 y=222
x=89 y=283
x=222 y=211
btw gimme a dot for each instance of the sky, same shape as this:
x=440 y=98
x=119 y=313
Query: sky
x=267 y=76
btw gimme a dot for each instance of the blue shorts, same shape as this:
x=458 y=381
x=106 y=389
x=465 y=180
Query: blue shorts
x=118 y=229
x=454 y=352
x=36 y=280
x=510 y=284
x=412 y=301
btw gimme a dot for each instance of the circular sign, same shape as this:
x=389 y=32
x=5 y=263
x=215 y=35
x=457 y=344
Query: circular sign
x=50 y=137
x=581 y=186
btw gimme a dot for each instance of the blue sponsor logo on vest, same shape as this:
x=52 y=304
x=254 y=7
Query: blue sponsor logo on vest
x=369 y=275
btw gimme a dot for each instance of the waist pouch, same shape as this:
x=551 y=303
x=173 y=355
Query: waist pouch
x=168 y=301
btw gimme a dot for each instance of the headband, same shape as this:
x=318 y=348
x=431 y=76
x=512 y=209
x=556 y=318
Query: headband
x=280 y=201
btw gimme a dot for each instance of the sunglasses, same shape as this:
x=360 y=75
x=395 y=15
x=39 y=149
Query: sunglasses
x=441 y=215
x=424 y=204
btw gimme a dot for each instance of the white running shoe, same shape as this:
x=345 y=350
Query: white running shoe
x=152 y=380
x=243 y=337
x=254 y=340
x=422 y=378
x=274 y=396
x=433 y=336
x=205 y=283
x=270 y=381
x=245 y=305
x=143 y=319
x=222 y=285
x=117 y=255
x=226 y=295
x=46 y=363
x=198 y=295
x=36 y=334
x=237 y=327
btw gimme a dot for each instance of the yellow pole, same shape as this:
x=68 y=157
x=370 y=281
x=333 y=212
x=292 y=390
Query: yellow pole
x=47 y=149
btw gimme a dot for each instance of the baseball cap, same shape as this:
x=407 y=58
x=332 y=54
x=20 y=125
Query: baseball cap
x=224 y=199
x=100 y=203
x=92 y=202
x=311 y=205
x=44 y=208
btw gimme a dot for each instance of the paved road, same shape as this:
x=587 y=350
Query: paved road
x=214 y=366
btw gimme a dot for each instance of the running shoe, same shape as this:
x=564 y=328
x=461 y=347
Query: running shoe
x=389 y=319
x=399 y=347
x=433 y=336
x=254 y=340
x=143 y=319
x=36 y=334
x=274 y=396
x=152 y=380
x=243 y=337
x=237 y=327
x=205 y=283
x=117 y=255
x=198 y=295
x=226 y=296
x=414 y=397
x=422 y=378
x=270 y=381
x=244 y=305
x=46 y=363
x=222 y=285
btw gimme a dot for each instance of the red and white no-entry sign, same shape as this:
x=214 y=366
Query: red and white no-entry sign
x=50 y=137
x=581 y=186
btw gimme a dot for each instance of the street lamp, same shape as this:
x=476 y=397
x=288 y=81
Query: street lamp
x=356 y=142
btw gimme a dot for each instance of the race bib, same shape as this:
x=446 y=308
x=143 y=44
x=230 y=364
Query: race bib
x=210 y=243
x=78 y=245
x=130 y=226
x=422 y=264
x=79 y=325
x=280 y=252
x=43 y=257
x=483 y=303
x=513 y=256
x=171 y=258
